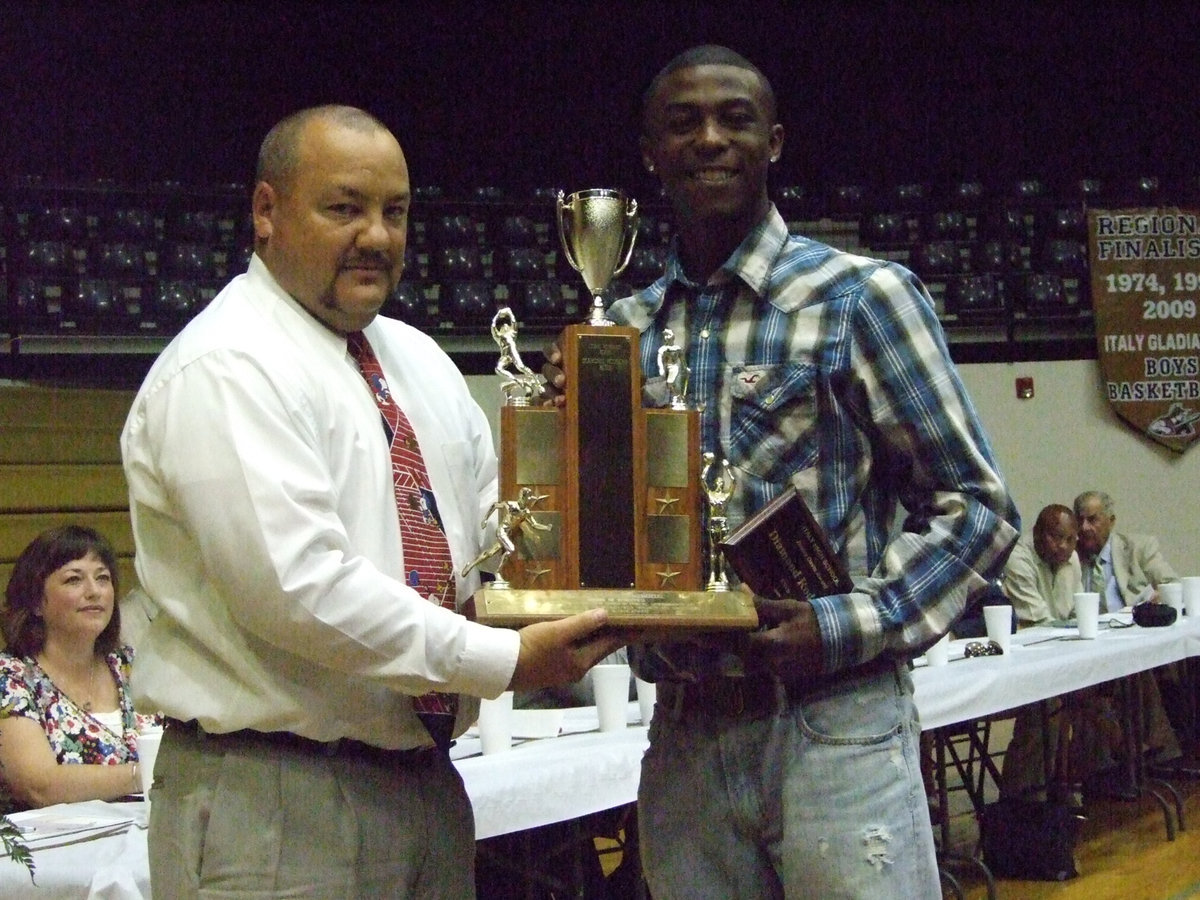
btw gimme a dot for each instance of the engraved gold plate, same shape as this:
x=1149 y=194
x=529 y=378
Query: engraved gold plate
x=538 y=446
x=658 y=612
x=668 y=536
x=667 y=441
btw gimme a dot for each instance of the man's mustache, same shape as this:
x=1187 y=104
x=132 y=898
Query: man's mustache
x=368 y=261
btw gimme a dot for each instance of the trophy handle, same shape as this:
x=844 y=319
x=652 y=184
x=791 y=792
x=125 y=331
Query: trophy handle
x=562 y=234
x=631 y=221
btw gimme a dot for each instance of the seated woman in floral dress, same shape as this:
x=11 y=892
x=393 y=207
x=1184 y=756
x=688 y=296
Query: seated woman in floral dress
x=68 y=730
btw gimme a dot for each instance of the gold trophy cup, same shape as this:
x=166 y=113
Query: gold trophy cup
x=598 y=228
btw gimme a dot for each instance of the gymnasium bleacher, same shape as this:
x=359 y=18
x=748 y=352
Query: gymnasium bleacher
x=103 y=268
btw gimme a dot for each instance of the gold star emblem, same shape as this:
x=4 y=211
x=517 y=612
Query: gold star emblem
x=665 y=578
x=535 y=574
x=664 y=502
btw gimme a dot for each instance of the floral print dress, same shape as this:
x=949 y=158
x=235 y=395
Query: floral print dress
x=75 y=735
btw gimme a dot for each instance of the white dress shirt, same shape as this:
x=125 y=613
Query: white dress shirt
x=266 y=529
x=1039 y=593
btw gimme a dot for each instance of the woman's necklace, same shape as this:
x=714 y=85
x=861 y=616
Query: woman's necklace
x=87 y=704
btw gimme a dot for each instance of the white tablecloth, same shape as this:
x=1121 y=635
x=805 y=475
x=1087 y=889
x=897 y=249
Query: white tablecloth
x=584 y=771
x=115 y=867
x=539 y=782
x=1044 y=662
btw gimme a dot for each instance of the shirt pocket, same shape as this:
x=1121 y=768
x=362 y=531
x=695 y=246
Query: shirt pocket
x=772 y=419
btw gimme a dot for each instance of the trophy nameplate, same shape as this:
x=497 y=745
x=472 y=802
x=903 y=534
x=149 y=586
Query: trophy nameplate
x=619 y=485
x=653 y=615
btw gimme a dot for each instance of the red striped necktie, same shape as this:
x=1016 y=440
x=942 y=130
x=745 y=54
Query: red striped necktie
x=428 y=568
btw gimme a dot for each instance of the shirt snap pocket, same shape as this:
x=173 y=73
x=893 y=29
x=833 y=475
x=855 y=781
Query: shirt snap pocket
x=772 y=417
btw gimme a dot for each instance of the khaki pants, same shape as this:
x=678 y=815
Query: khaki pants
x=1094 y=723
x=230 y=820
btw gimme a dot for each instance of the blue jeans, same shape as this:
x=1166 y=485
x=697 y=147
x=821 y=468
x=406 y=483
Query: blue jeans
x=822 y=799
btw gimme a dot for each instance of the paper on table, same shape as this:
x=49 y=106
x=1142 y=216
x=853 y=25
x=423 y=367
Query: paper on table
x=537 y=723
x=1120 y=617
x=70 y=823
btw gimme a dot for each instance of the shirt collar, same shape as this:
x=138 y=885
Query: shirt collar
x=751 y=261
x=299 y=317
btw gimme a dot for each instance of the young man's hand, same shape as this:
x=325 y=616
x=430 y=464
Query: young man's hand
x=554 y=393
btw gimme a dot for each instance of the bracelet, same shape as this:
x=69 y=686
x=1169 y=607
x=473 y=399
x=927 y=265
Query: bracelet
x=137 y=781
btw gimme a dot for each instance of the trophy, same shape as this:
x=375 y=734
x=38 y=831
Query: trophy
x=616 y=487
x=597 y=228
x=717 y=490
x=672 y=368
x=520 y=383
x=515 y=523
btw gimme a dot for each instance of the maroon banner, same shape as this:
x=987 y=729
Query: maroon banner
x=1145 y=276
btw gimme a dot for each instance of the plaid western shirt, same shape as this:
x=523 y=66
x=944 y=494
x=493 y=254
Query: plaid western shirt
x=829 y=371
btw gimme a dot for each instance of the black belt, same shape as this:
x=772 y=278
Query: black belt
x=752 y=696
x=343 y=748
